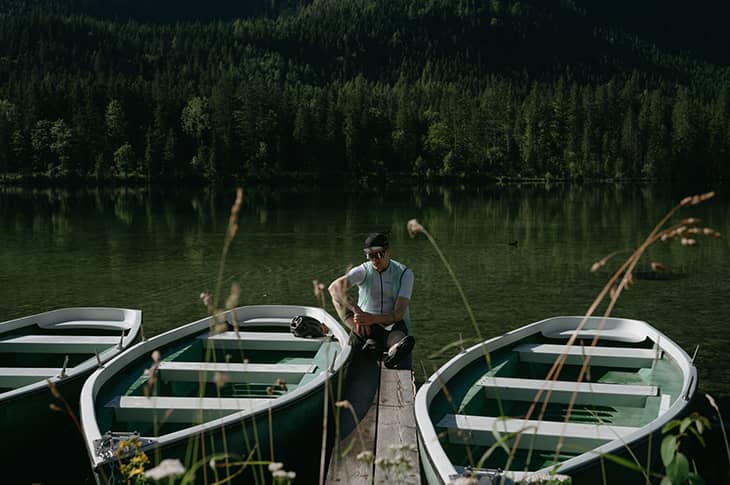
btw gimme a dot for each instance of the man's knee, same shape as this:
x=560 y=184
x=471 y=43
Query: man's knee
x=394 y=337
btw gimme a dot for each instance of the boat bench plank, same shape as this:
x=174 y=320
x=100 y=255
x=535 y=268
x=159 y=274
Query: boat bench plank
x=562 y=391
x=58 y=344
x=14 y=377
x=605 y=334
x=93 y=324
x=261 y=341
x=599 y=356
x=234 y=372
x=540 y=435
x=266 y=321
x=179 y=409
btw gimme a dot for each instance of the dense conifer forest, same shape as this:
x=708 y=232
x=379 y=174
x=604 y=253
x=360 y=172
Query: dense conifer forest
x=362 y=90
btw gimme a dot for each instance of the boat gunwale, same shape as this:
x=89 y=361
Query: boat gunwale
x=437 y=457
x=97 y=379
x=132 y=318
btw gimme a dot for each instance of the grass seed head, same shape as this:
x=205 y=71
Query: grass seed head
x=696 y=199
x=712 y=402
x=54 y=389
x=233 y=220
x=598 y=265
x=221 y=379
x=629 y=279
x=233 y=296
x=414 y=227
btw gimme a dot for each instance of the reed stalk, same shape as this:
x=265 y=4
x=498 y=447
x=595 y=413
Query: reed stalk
x=722 y=424
x=414 y=227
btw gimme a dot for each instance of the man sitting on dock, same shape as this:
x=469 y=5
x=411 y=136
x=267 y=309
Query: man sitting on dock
x=381 y=317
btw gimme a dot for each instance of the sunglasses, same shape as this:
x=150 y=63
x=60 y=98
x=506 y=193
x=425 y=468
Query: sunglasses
x=375 y=255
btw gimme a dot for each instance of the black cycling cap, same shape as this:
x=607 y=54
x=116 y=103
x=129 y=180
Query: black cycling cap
x=375 y=241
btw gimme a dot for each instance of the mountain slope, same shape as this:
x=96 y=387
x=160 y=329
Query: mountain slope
x=430 y=88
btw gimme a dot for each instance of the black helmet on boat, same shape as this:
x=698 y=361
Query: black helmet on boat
x=308 y=327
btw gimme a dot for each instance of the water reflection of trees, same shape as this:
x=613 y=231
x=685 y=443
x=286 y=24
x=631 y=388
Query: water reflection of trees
x=160 y=247
x=127 y=202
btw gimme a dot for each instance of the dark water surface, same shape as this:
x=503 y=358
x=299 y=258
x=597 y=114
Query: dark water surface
x=521 y=254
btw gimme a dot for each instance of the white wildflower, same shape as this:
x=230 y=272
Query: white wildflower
x=166 y=468
x=366 y=456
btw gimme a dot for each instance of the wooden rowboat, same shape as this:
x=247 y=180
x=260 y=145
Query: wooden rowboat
x=635 y=381
x=245 y=389
x=44 y=360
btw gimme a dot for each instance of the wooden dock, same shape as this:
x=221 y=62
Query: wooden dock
x=379 y=443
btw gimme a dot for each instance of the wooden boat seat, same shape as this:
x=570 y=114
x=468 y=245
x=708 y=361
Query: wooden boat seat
x=14 y=377
x=235 y=372
x=539 y=435
x=92 y=325
x=58 y=344
x=562 y=391
x=606 y=334
x=266 y=322
x=179 y=409
x=599 y=356
x=262 y=341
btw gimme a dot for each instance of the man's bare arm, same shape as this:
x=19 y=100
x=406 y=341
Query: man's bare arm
x=338 y=291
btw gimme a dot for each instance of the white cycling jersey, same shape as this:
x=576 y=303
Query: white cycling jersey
x=378 y=292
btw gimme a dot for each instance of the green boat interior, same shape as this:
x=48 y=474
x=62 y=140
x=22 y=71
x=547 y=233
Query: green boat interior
x=210 y=375
x=626 y=385
x=33 y=353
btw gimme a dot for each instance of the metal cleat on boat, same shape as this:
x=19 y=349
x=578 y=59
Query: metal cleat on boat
x=109 y=444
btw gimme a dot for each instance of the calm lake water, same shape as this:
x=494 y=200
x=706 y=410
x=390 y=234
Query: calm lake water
x=156 y=250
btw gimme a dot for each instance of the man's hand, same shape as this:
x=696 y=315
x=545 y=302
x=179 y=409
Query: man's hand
x=365 y=319
x=361 y=330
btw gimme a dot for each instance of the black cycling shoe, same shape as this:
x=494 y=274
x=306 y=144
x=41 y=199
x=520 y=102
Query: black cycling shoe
x=396 y=353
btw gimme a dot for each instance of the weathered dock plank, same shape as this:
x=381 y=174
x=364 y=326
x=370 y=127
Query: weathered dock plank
x=345 y=467
x=396 y=451
x=386 y=428
x=357 y=433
